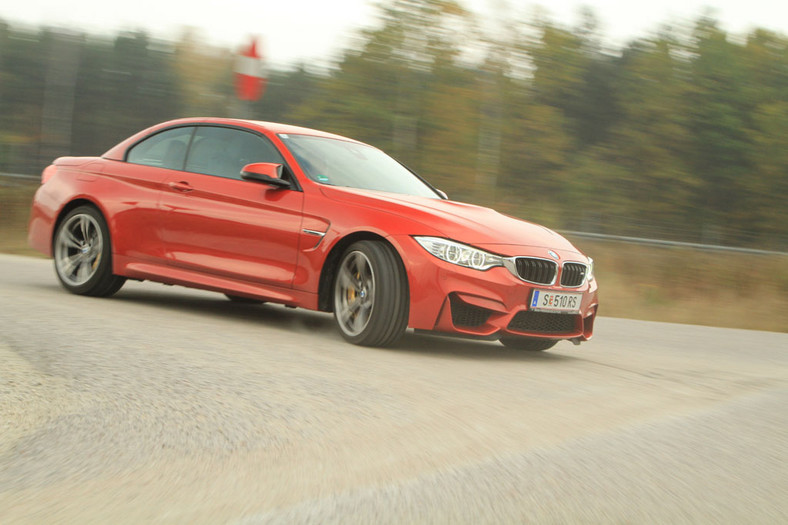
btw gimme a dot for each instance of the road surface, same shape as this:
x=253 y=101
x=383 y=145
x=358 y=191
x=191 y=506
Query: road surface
x=167 y=405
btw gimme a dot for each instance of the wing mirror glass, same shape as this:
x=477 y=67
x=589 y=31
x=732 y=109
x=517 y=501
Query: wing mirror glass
x=265 y=172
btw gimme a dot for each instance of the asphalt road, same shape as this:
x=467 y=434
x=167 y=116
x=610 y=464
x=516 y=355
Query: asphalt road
x=166 y=405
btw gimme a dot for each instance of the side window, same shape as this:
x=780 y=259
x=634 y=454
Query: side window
x=224 y=152
x=163 y=150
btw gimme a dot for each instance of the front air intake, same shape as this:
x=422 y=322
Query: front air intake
x=544 y=323
x=466 y=315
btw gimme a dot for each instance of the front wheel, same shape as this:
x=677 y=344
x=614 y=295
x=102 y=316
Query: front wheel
x=371 y=299
x=528 y=344
x=83 y=254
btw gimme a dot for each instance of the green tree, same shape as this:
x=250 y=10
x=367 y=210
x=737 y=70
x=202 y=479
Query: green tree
x=23 y=68
x=123 y=85
x=285 y=91
x=719 y=114
x=649 y=145
x=766 y=63
x=203 y=75
x=379 y=91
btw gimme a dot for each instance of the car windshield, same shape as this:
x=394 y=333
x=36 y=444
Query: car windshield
x=353 y=165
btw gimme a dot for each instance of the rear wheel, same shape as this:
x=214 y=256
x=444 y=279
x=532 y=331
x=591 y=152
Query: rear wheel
x=83 y=254
x=528 y=344
x=371 y=294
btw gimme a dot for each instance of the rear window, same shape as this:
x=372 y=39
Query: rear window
x=162 y=150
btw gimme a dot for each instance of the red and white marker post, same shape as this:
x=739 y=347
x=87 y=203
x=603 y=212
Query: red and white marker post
x=250 y=74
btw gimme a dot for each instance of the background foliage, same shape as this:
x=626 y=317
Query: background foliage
x=681 y=135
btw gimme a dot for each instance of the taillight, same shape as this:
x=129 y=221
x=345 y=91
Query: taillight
x=47 y=173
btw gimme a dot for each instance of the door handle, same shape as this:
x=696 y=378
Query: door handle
x=182 y=186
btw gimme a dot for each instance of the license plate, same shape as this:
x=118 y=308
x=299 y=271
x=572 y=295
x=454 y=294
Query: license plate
x=547 y=301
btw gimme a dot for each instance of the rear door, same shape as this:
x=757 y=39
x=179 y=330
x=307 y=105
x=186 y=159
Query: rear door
x=218 y=224
x=136 y=187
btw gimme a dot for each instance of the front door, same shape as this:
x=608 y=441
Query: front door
x=218 y=224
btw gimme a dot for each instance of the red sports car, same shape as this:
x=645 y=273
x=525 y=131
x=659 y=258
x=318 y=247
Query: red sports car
x=271 y=212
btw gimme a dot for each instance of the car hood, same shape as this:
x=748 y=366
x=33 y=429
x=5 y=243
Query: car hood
x=467 y=223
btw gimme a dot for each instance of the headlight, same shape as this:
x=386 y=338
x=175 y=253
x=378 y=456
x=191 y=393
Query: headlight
x=459 y=254
x=590 y=276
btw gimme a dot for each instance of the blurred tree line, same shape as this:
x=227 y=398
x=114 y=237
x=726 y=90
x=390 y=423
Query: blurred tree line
x=680 y=135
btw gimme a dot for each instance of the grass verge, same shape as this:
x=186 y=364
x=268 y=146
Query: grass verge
x=14 y=213
x=685 y=285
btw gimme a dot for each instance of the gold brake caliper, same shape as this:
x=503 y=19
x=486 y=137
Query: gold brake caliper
x=351 y=294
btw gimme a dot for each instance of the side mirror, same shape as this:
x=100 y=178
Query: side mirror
x=265 y=172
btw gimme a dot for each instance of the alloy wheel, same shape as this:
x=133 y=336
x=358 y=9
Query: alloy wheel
x=354 y=295
x=78 y=249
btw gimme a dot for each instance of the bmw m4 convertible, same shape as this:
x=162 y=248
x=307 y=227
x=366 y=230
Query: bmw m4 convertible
x=265 y=212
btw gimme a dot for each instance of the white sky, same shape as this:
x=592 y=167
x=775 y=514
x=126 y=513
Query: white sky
x=315 y=30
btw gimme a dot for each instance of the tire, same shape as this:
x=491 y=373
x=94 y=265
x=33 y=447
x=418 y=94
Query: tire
x=83 y=254
x=528 y=344
x=371 y=301
x=243 y=300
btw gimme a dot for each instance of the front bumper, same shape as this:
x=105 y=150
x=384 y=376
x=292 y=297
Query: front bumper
x=448 y=298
